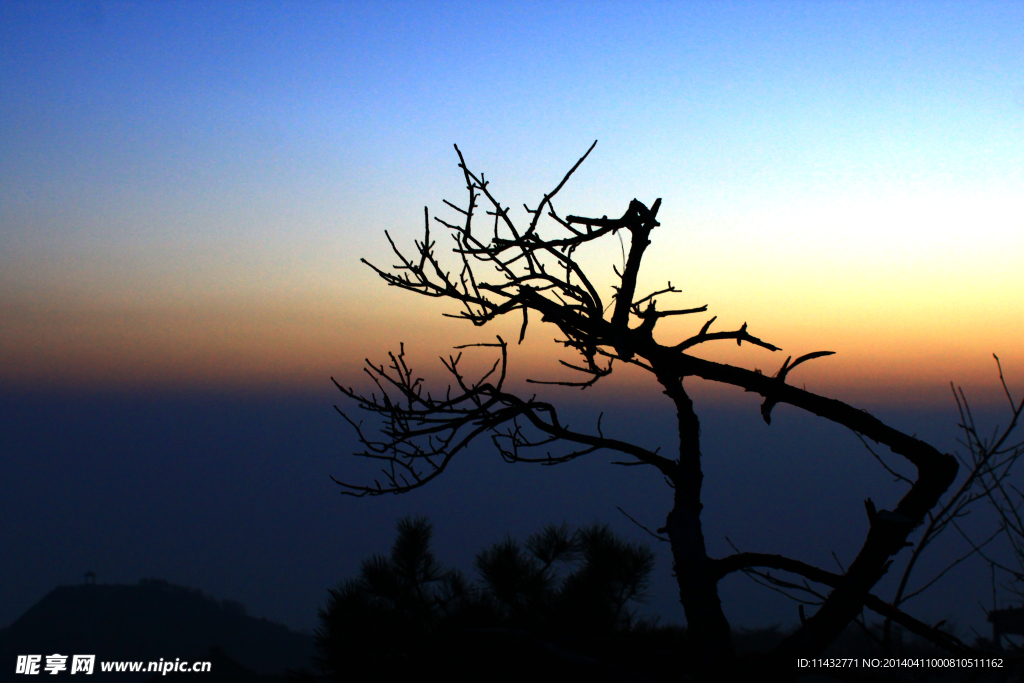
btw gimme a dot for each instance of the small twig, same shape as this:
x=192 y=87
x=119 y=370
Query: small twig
x=661 y=538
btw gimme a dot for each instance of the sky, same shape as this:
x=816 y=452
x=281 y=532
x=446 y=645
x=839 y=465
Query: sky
x=186 y=189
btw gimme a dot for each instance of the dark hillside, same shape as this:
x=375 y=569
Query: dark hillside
x=149 y=621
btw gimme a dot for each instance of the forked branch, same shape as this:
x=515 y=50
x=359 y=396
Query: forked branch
x=419 y=434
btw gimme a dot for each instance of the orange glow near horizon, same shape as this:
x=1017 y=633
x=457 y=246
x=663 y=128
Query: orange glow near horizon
x=292 y=345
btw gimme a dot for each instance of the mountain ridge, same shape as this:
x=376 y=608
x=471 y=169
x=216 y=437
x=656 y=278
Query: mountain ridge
x=149 y=621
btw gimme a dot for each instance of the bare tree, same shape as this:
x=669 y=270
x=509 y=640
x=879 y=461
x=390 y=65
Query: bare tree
x=506 y=269
x=992 y=460
x=987 y=465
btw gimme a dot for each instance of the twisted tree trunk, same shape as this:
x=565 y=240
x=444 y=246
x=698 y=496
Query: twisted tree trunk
x=707 y=626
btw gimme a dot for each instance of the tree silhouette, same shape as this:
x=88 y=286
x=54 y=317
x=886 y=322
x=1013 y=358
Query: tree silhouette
x=372 y=622
x=989 y=462
x=502 y=269
x=522 y=587
x=407 y=617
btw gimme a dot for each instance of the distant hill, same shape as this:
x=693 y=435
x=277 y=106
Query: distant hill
x=149 y=621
